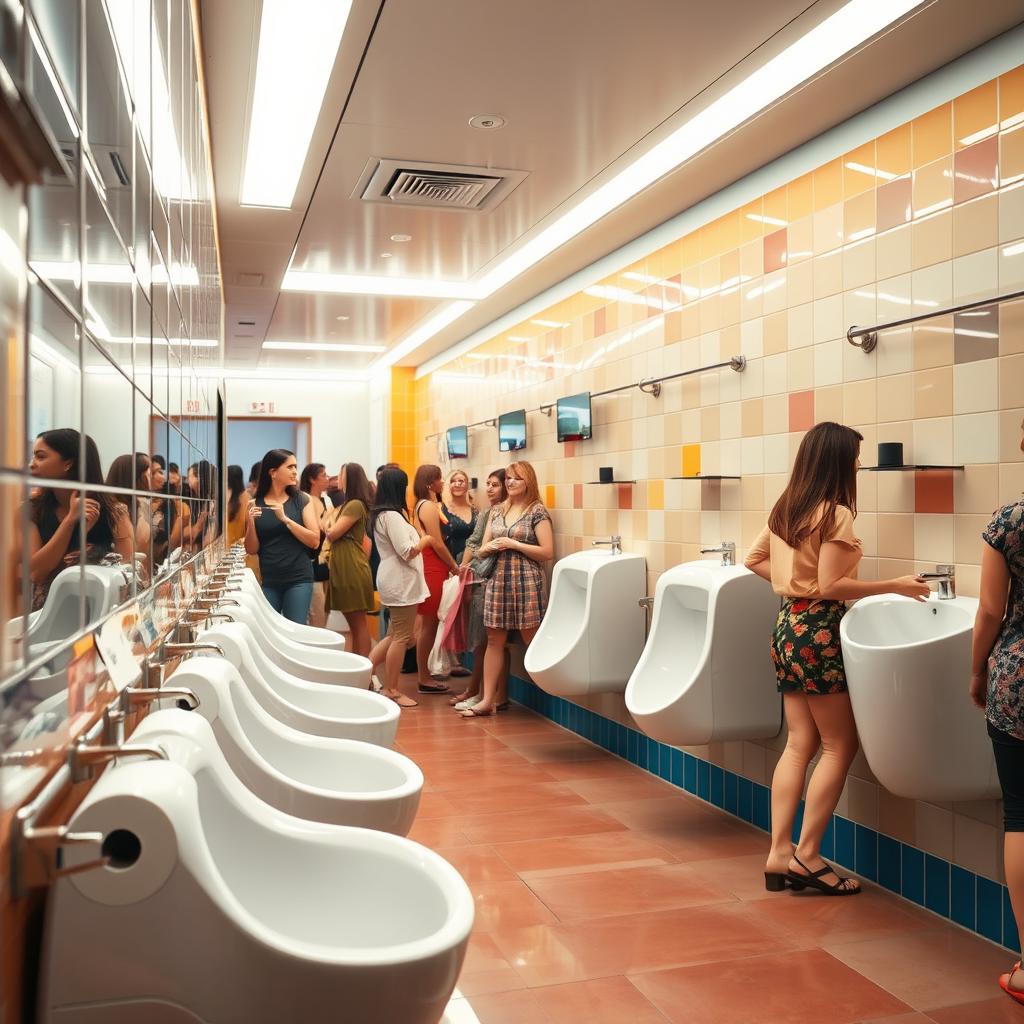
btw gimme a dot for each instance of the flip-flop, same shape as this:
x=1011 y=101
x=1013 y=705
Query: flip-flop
x=473 y=713
x=402 y=701
x=459 y=671
x=465 y=695
x=433 y=689
x=1005 y=985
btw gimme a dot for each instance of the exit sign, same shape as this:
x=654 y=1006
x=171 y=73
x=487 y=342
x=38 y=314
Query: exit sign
x=262 y=408
x=192 y=405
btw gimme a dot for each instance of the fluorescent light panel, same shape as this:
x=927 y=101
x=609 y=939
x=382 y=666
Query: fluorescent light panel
x=356 y=284
x=298 y=47
x=320 y=346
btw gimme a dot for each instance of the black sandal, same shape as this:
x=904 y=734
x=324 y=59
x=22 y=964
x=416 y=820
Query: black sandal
x=813 y=880
x=441 y=688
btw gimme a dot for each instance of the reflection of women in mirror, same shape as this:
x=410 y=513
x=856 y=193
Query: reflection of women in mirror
x=166 y=513
x=350 y=589
x=313 y=483
x=131 y=472
x=997 y=686
x=55 y=537
x=282 y=529
x=238 y=506
x=202 y=483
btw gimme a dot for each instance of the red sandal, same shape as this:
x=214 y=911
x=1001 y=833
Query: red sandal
x=1005 y=985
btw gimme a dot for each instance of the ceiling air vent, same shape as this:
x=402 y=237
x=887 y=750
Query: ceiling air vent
x=437 y=186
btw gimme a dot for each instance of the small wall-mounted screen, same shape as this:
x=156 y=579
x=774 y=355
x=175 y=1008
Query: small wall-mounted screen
x=573 y=417
x=457 y=439
x=512 y=431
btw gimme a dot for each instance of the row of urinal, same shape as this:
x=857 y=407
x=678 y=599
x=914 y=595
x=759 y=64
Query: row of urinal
x=259 y=870
x=704 y=672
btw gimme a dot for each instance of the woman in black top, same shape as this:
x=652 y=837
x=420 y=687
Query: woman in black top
x=55 y=531
x=285 y=538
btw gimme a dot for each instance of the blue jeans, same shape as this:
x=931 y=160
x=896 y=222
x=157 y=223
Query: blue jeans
x=292 y=600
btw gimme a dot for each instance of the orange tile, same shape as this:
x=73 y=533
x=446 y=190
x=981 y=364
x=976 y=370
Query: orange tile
x=801 y=410
x=625 y=496
x=975 y=115
x=933 y=491
x=509 y=904
x=800 y=198
x=859 y=216
x=478 y=863
x=893 y=151
x=776 y=207
x=828 y=184
x=894 y=205
x=775 y=250
x=752 y=220
x=1011 y=98
x=932 y=135
x=549 y=495
x=577 y=495
x=691 y=460
x=859 y=170
x=656 y=494
x=550 y=823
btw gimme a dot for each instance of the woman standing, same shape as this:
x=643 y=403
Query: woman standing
x=519 y=533
x=459 y=512
x=350 y=588
x=131 y=473
x=166 y=523
x=809 y=553
x=55 y=535
x=202 y=483
x=400 y=580
x=284 y=537
x=438 y=564
x=997 y=685
x=313 y=483
x=238 y=506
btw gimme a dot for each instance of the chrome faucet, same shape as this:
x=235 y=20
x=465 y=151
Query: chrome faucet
x=178 y=650
x=946 y=577
x=614 y=541
x=646 y=602
x=727 y=550
x=83 y=760
x=132 y=698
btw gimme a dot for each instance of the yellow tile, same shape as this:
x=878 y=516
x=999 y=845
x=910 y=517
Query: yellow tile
x=858 y=170
x=859 y=216
x=828 y=184
x=932 y=135
x=691 y=249
x=655 y=494
x=933 y=187
x=691 y=459
x=800 y=197
x=1011 y=98
x=893 y=151
x=729 y=231
x=975 y=115
x=752 y=221
x=776 y=208
x=549 y=495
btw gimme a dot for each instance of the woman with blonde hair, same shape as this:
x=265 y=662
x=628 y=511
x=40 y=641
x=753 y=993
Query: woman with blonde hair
x=462 y=523
x=519 y=532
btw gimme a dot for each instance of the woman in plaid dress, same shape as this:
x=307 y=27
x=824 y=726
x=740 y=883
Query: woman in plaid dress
x=519 y=532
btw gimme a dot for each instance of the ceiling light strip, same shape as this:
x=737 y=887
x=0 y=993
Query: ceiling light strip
x=395 y=287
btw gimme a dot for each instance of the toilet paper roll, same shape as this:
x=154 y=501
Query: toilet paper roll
x=144 y=799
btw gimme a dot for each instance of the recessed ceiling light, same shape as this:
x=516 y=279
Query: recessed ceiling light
x=319 y=346
x=487 y=122
x=356 y=284
x=401 y=238
x=297 y=49
x=385 y=255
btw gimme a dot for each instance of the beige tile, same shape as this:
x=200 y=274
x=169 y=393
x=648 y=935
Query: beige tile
x=827 y=273
x=893 y=252
x=1011 y=381
x=933 y=442
x=897 y=817
x=934 y=827
x=976 y=490
x=828 y=229
x=1011 y=327
x=801 y=369
x=976 y=846
x=933 y=343
x=859 y=263
x=933 y=187
x=775 y=333
x=975 y=225
x=828 y=403
x=1010 y=435
x=862 y=801
x=933 y=392
x=895 y=397
x=975 y=438
x=859 y=402
x=975 y=385
x=1011 y=483
x=896 y=536
x=967 y=542
x=932 y=239
x=933 y=538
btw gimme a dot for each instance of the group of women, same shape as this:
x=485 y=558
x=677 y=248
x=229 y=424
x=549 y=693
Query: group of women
x=140 y=528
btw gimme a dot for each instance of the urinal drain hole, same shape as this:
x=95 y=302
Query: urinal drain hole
x=123 y=848
x=184 y=705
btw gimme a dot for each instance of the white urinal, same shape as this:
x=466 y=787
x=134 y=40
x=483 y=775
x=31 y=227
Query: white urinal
x=339 y=711
x=908 y=664
x=219 y=908
x=593 y=629
x=341 y=781
x=317 y=664
x=706 y=672
x=312 y=635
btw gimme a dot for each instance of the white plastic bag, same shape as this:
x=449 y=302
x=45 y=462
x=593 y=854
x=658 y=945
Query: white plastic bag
x=440 y=661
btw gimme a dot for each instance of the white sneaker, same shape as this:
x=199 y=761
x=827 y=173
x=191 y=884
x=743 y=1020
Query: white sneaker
x=469 y=702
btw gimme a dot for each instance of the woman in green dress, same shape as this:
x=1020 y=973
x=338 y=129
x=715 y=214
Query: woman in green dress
x=350 y=589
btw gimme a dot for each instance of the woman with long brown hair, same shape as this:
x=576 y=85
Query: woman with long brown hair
x=519 y=533
x=809 y=553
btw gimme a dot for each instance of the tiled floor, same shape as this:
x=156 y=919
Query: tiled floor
x=607 y=896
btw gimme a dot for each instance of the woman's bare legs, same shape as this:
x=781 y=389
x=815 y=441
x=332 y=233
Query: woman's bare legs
x=390 y=654
x=1013 y=865
x=475 y=678
x=426 y=633
x=360 y=633
x=802 y=744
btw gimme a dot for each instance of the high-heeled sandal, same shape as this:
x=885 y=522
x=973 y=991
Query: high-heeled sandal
x=813 y=880
x=1013 y=993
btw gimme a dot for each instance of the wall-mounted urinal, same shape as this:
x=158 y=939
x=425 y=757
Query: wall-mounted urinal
x=344 y=782
x=317 y=664
x=593 y=629
x=278 y=624
x=907 y=665
x=706 y=672
x=339 y=711
x=100 y=589
x=217 y=907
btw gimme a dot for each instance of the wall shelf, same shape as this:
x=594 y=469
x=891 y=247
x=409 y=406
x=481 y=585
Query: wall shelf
x=609 y=482
x=904 y=469
x=710 y=476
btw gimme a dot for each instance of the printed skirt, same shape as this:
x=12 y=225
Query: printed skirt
x=805 y=646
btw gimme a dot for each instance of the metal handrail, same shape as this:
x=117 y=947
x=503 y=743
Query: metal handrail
x=869 y=335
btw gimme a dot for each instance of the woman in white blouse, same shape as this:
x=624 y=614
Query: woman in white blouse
x=400 y=580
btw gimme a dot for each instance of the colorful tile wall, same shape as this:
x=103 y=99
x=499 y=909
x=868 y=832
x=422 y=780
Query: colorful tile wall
x=926 y=215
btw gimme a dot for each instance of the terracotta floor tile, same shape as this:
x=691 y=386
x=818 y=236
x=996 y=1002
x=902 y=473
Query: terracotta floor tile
x=899 y=1018
x=589 y=853
x=809 y=988
x=537 y=824
x=602 y=768
x=604 y=1001
x=500 y=799
x=435 y=805
x=1000 y=1009
x=477 y=863
x=486 y=970
x=583 y=896
x=941 y=967
x=554 y=954
x=561 y=751
x=743 y=877
x=615 y=790
x=468 y=777
x=507 y=905
x=506 y=727
x=435 y=832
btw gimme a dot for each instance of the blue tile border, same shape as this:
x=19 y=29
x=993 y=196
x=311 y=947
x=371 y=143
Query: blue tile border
x=948 y=890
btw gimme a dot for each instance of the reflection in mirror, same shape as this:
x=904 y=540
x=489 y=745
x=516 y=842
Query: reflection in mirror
x=131 y=472
x=13 y=604
x=54 y=377
x=55 y=41
x=108 y=279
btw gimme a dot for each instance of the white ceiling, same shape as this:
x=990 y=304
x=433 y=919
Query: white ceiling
x=585 y=86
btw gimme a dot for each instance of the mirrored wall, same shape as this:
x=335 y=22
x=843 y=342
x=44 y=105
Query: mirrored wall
x=115 y=481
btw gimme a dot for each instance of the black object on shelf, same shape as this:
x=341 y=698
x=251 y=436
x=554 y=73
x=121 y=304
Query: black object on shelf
x=710 y=476
x=903 y=469
x=609 y=481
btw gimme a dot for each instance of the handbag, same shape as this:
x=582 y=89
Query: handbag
x=322 y=555
x=483 y=568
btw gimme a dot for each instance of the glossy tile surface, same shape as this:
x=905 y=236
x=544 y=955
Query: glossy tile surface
x=604 y=894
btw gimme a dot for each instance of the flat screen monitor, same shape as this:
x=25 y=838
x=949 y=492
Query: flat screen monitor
x=457 y=439
x=573 y=417
x=512 y=431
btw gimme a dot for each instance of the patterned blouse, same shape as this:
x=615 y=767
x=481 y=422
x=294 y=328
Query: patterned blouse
x=1004 y=707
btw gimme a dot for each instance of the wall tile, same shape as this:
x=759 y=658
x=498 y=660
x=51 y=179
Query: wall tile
x=976 y=276
x=967 y=532
x=933 y=442
x=976 y=489
x=827 y=229
x=1011 y=214
x=933 y=538
x=932 y=239
x=801 y=410
x=895 y=205
x=933 y=343
x=976 y=334
x=975 y=170
x=895 y=539
x=775 y=246
x=933 y=392
x=975 y=115
x=975 y=225
x=800 y=327
x=1010 y=421
x=1011 y=156
x=893 y=151
x=932 y=135
x=933 y=491
x=976 y=385
x=933 y=187
x=859 y=217
x=975 y=438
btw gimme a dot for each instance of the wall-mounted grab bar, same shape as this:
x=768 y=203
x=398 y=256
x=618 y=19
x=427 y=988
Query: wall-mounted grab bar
x=868 y=336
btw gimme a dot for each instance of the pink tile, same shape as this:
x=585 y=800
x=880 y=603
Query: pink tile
x=775 y=247
x=975 y=170
x=894 y=203
x=801 y=410
x=577 y=495
x=600 y=319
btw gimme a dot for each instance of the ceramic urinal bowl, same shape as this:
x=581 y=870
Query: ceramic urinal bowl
x=219 y=908
x=593 y=629
x=706 y=672
x=339 y=711
x=280 y=626
x=317 y=664
x=907 y=665
x=344 y=782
